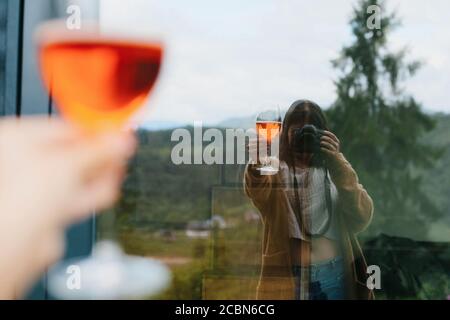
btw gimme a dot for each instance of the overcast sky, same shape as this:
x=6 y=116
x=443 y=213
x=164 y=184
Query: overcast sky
x=232 y=58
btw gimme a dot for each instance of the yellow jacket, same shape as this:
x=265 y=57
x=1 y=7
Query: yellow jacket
x=354 y=210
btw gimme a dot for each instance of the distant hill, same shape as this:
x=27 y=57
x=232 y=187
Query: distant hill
x=159 y=191
x=241 y=122
x=244 y=123
x=160 y=125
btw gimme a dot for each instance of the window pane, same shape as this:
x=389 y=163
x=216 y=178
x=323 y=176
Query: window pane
x=225 y=64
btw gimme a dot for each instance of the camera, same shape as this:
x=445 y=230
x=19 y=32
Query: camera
x=307 y=139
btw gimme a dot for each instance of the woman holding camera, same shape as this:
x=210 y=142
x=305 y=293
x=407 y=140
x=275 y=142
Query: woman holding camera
x=311 y=210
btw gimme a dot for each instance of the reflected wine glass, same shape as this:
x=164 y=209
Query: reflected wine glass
x=98 y=82
x=268 y=126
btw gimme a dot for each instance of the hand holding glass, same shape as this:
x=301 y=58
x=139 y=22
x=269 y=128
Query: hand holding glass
x=268 y=126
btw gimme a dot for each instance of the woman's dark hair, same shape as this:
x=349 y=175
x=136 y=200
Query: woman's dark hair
x=304 y=112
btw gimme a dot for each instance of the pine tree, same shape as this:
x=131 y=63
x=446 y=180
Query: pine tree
x=380 y=125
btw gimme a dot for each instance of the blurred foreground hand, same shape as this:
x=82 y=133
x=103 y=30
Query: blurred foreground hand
x=51 y=175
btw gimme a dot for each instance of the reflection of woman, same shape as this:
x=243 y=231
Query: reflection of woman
x=311 y=209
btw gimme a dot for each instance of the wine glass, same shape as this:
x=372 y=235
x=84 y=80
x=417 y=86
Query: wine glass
x=98 y=82
x=268 y=126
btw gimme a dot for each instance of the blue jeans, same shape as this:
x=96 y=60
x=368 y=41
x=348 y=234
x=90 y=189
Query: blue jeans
x=326 y=280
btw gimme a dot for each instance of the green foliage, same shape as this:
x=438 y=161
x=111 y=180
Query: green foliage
x=187 y=282
x=410 y=269
x=159 y=192
x=381 y=127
